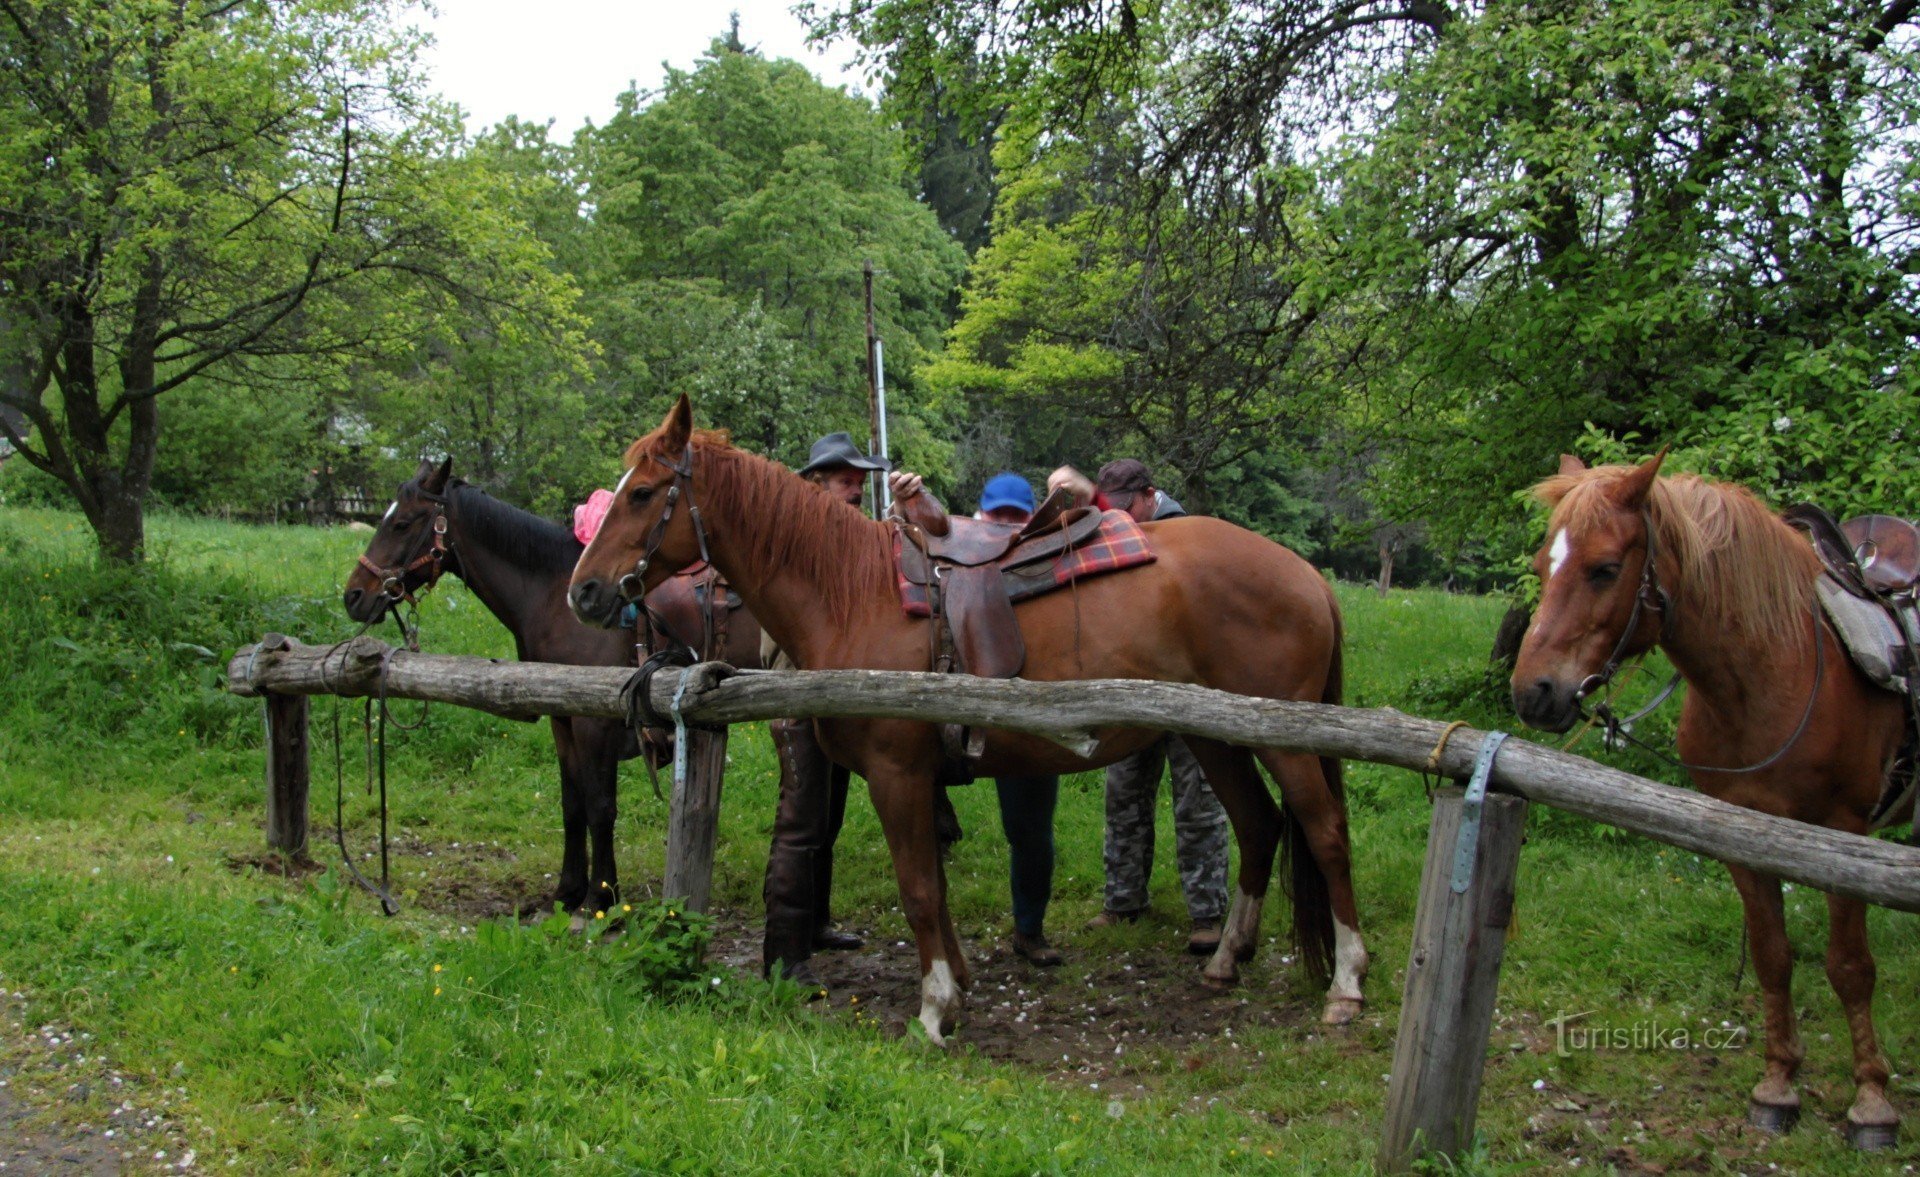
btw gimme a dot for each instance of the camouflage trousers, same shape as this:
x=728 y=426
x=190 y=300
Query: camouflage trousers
x=1199 y=831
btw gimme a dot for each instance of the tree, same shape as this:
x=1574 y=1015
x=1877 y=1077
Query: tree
x=732 y=215
x=1690 y=221
x=220 y=189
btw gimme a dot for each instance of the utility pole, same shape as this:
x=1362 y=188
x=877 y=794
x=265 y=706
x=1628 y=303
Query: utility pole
x=876 y=400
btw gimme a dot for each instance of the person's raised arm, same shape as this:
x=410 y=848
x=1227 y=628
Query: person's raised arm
x=913 y=502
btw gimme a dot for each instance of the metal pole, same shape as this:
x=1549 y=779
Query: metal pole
x=880 y=395
x=876 y=435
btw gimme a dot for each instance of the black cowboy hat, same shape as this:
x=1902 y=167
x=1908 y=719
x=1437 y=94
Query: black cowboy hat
x=836 y=450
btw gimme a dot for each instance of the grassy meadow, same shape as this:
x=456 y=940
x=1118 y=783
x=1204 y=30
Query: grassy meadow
x=286 y=1026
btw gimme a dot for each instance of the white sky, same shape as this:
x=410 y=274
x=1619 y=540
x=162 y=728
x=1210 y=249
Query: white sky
x=567 y=60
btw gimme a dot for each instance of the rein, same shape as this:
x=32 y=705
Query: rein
x=1616 y=729
x=632 y=587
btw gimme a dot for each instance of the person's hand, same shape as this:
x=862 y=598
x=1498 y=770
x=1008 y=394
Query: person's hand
x=905 y=485
x=1078 y=485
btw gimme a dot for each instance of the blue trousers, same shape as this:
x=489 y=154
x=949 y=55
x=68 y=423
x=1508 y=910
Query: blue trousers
x=1026 y=817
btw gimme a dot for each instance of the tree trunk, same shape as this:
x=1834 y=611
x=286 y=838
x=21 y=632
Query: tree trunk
x=1386 y=568
x=1507 y=639
x=120 y=526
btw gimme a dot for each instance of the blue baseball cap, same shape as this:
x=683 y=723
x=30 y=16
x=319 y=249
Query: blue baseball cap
x=1007 y=490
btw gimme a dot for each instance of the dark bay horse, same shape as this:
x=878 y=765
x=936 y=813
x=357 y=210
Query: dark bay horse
x=1220 y=606
x=1777 y=718
x=518 y=565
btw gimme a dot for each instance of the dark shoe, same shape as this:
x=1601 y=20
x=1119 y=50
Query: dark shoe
x=1109 y=919
x=1205 y=940
x=1036 y=951
x=836 y=940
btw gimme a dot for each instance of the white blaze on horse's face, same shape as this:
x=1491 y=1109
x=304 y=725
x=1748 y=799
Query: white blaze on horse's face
x=622 y=484
x=1557 y=554
x=391 y=508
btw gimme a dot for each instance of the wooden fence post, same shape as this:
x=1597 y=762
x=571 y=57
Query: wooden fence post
x=289 y=769
x=693 y=820
x=1453 y=973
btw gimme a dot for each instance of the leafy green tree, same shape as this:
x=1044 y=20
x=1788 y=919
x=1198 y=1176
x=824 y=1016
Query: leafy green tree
x=208 y=189
x=732 y=215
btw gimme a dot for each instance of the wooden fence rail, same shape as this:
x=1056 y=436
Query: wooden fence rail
x=1879 y=872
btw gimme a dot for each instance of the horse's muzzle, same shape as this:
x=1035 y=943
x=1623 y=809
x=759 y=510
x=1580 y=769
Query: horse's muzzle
x=1546 y=704
x=365 y=607
x=595 y=602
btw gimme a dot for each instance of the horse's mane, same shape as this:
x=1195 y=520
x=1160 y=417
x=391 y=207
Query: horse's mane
x=821 y=539
x=521 y=538
x=1740 y=565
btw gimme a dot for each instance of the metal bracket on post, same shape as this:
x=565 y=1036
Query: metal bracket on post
x=1471 y=805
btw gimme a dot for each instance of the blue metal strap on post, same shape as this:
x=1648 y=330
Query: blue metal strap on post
x=680 y=736
x=1471 y=807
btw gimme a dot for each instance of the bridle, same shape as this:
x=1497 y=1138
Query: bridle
x=632 y=587
x=433 y=559
x=1650 y=595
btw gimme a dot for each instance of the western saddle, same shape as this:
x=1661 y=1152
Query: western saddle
x=971 y=577
x=1870 y=592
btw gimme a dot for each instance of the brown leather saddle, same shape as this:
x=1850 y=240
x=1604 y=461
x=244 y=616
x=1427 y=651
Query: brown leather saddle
x=1870 y=593
x=690 y=609
x=971 y=578
x=975 y=572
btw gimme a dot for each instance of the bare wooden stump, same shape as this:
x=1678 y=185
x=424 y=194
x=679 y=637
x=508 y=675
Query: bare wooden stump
x=289 y=768
x=693 y=821
x=1453 y=974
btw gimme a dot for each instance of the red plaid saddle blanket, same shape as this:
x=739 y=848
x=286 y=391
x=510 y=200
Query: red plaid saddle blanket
x=1120 y=543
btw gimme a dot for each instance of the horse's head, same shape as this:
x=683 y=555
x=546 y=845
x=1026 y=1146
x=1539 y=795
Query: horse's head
x=652 y=528
x=408 y=549
x=1600 y=602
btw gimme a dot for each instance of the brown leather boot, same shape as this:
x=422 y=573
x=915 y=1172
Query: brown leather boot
x=799 y=824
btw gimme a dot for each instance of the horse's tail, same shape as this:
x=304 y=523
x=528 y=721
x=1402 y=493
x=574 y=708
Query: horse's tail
x=1312 y=933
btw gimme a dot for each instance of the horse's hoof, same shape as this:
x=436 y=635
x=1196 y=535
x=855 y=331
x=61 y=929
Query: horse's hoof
x=1772 y=1117
x=1340 y=1011
x=1872 y=1137
x=1220 y=984
x=578 y=924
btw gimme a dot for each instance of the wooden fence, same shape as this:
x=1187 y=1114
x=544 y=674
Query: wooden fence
x=1466 y=892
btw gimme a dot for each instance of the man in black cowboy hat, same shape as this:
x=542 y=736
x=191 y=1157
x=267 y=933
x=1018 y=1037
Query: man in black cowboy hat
x=813 y=790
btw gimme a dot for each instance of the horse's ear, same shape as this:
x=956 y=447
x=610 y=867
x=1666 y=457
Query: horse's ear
x=1638 y=482
x=677 y=429
x=1569 y=464
x=434 y=479
x=424 y=472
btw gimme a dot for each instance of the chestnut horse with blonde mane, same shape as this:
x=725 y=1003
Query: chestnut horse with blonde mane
x=1220 y=606
x=1777 y=718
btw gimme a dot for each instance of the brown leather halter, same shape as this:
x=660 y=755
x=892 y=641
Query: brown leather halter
x=632 y=587
x=393 y=581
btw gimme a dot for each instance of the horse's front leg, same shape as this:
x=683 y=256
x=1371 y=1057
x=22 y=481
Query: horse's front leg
x=904 y=800
x=597 y=747
x=572 y=890
x=1774 y=1105
x=1871 y=1121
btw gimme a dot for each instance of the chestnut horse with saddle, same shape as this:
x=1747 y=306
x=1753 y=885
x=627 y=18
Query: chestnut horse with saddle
x=1781 y=716
x=518 y=564
x=1216 y=605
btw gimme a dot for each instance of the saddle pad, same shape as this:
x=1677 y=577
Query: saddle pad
x=1868 y=633
x=1120 y=543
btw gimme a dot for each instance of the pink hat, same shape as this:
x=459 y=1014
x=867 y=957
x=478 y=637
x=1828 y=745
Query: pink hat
x=588 y=516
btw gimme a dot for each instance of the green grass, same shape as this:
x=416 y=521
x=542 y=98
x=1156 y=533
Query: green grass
x=308 y=1034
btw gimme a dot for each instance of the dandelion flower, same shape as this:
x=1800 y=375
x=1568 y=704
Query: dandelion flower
x=436 y=990
x=436 y=968
x=626 y=907
x=599 y=915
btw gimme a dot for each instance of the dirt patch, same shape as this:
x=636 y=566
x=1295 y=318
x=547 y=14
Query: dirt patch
x=66 y=1109
x=1108 y=1019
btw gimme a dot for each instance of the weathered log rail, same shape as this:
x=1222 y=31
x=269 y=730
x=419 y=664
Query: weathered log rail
x=1879 y=872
